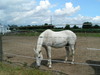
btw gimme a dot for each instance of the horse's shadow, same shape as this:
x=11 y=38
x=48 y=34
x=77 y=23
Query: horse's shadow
x=95 y=65
x=44 y=63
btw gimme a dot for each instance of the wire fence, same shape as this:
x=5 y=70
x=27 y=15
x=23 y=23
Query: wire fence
x=59 y=61
x=19 y=46
x=20 y=49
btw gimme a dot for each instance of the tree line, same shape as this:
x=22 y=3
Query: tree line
x=86 y=25
x=31 y=27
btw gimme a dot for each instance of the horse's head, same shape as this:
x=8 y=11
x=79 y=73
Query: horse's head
x=38 y=56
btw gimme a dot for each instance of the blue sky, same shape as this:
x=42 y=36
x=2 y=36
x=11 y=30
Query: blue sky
x=32 y=12
x=89 y=7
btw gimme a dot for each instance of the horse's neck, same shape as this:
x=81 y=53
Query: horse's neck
x=39 y=43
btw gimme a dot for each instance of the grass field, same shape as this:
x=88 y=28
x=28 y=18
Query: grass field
x=88 y=34
x=6 y=69
x=38 y=33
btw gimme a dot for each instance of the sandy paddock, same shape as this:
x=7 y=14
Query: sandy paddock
x=23 y=45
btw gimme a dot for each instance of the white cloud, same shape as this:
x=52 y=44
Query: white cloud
x=18 y=11
x=38 y=11
x=44 y=4
x=96 y=19
x=14 y=10
x=25 y=12
x=78 y=19
x=67 y=10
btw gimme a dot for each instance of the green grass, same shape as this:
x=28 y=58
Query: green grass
x=83 y=34
x=6 y=69
x=24 y=34
x=88 y=34
x=28 y=34
x=78 y=34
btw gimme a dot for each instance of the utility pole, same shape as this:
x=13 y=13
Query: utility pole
x=1 y=51
x=51 y=20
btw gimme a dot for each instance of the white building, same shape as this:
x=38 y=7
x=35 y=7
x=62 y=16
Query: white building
x=4 y=29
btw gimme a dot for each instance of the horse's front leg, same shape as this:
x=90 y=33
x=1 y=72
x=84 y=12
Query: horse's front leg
x=73 y=52
x=49 y=57
x=48 y=50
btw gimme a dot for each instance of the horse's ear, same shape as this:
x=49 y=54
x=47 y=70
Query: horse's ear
x=35 y=54
x=34 y=50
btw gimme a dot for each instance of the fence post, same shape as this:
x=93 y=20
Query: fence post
x=1 y=51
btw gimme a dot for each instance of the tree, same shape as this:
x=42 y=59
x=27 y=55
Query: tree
x=46 y=24
x=67 y=26
x=75 y=27
x=96 y=26
x=87 y=25
x=13 y=27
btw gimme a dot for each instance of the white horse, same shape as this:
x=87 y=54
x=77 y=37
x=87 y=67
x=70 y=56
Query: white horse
x=49 y=38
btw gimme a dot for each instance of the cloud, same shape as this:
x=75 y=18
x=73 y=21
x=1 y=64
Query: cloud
x=96 y=19
x=67 y=10
x=43 y=5
x=25 y=12
x=15 y=5
x=13 y=10
x=40 y=10
x=78 y=19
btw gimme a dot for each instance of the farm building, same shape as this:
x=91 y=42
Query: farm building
x=4 y=29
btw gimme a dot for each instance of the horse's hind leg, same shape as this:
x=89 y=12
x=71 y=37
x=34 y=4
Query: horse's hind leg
x=67 y=53
x=72 y=53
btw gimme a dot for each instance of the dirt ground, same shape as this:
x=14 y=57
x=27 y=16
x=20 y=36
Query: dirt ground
x=23 y=45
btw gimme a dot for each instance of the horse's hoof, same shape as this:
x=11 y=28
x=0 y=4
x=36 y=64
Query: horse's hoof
x=65 y=61
x=72 y=62
x=37 y=67
x=50 y=67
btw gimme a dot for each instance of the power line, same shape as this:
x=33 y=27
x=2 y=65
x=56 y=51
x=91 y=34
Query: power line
x=76 y=24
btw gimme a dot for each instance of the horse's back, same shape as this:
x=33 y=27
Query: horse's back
x=72 y=36
x=64 y=33
x=70 y=33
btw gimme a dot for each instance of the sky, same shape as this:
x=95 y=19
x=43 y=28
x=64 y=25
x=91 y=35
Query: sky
x=37 y=12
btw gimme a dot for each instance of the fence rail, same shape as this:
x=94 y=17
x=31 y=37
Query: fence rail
x=58 y=61
x=1 y=51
